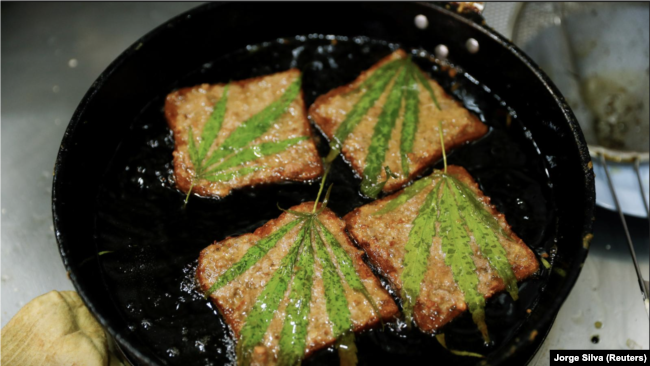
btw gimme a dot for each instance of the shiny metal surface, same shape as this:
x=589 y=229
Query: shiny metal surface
x=52 y=52
x=607 y=308
x=597 y=54
x=639 y=178
x=630 y=244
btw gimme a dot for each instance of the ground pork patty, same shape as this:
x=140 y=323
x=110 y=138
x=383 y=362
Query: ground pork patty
x=459 y=125
x=235 y=300
x=384 y=236
x=193 y=106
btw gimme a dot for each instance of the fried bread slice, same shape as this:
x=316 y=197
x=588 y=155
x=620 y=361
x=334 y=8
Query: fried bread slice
x=243 y=133
x=389 y=117
x=391 y=232
x=340 y=290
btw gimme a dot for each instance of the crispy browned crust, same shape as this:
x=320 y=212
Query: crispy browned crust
x=472 y=131
x=307 y=169
x=387 y=307
x=429 y=315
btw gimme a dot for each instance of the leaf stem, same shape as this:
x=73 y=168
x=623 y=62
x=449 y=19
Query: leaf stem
x=442 y=144
x=189 y=192
x=441 y=339
x=322 y=185
x=347 y=350
x=332 y=155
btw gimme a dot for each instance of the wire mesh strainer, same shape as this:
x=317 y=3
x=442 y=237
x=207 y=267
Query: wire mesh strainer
x=597 y=54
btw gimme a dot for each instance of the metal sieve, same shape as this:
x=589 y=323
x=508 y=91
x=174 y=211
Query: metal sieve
x=597 y=54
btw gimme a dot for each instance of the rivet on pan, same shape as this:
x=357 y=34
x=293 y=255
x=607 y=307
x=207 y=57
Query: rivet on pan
x=472 y=45
x=421 y=21
x=441 y=51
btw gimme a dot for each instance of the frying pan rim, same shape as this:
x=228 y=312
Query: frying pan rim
x=547 y=320
x=543 y=323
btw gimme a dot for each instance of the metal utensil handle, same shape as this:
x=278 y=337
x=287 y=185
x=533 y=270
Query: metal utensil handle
x=637 y=161
x=642 y=283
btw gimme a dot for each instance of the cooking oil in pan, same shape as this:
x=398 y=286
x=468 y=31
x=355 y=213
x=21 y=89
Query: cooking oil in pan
x=155 y=242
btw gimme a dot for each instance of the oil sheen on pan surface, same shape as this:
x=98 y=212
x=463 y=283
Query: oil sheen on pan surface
x=152 y=243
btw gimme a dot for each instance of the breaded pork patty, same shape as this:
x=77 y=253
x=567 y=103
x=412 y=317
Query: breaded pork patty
x=390 y=117
x=442 y=246
x=239 y=134
x=292 y=265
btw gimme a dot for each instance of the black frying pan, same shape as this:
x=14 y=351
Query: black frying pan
x=113 y=189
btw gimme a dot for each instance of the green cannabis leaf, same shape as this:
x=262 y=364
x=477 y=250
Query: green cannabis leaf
x=236 y=149
x=346 y=266
x=403 y=99
x=452 y=212
x=314 y=243
x=458 y=255
x=425 y=83
x=296 y=271
x=408 y=193
x=416 y=256
x=294 y=330
x=254 y=254
x=267 y=303
x=411 y=116
x=374 y=87
x=381 y=136
x=335 y=301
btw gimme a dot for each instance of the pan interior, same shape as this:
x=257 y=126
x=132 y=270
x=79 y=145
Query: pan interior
x=151 y=243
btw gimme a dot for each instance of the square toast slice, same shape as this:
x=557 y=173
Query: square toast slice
x=236 y=298
x=340 y=106
x=384 y=236
x=259 y=118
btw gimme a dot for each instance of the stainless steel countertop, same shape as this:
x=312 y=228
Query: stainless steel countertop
x=52 y=53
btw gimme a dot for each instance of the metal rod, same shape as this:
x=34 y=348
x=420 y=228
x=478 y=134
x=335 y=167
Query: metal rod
x=630 y=245
x=638 y=176
x=647 y=211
